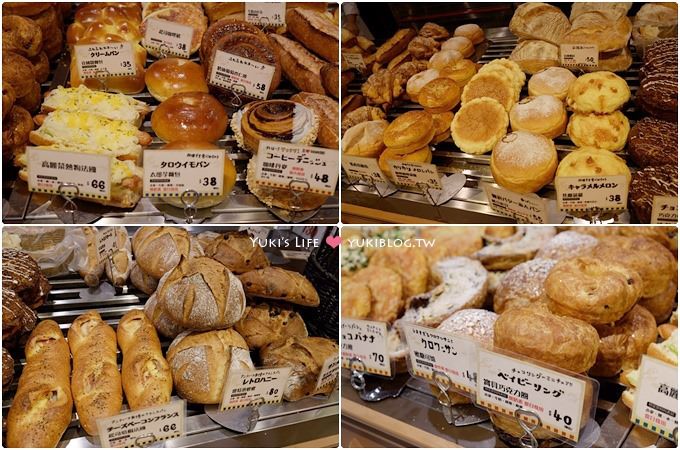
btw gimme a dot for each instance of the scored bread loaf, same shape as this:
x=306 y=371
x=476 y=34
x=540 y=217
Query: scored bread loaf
x=263 y=324
x=201 y=362
x=315 y=31
x=159 y=249
x=41 y=409
x=141 y=280
x=201 y=294
x=119 y=265
x=300 y=67
x=91 y=269
x=305 y=355
x=147 y=380
x=239 y=251
x=164 y=324
x=96 y=383
x=280 y=284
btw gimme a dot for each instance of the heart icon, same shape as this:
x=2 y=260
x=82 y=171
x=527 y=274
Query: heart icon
x=334 y=241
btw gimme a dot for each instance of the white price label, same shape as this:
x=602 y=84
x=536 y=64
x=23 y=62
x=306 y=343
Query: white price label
x=579 y=55
x=353 y=61
x=300 y=168
x=366 y=343
x=266 y=13
x=524 y=208
x=114 y=59
x=254 y=387
x=106 y=243
x=432 y=352
x=606 y=193
x=359 y=168
x=329 y=373
x=505 y=384
x=411 y=173
x=168 y=38
x=665 y=210
x=242 y=76
x=656 y=398
x=50 y=169
x=144 y=426
x=170 y=173
x=259 y=234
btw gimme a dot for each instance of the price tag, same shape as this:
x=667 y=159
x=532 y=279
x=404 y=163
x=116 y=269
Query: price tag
x=525 y=208
x=506 y=384
x=359 y=168
x=328 y=374
x=266 y=13
x=49 y=169
x=258 y=386
x=366 y=341
x=579 y=55
x=106 y=243
x=410 y=173
x=656 y=398
x=298 y=167
x=169 y=173
x=170 y=38
x=432 y=351
x=665 y=210
x=353 y=61
x=242 y=76
x=144 y=426
x=114 y=59
x=609 y=193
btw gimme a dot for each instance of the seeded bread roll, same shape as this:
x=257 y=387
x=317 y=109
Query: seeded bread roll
x=263 y=324
x=280 y=284
x=239 y=251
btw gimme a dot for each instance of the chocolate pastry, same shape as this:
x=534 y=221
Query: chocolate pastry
x=22 y=274
x=662 y=55
x=649 y=182
x=7 y=369
x=653 y=142
x=17 y=318
x=658 y=95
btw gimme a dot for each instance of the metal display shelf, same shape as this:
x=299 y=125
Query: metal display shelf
x=241 y=207
x=470 y=205
x=312 y=421
x=414 y=418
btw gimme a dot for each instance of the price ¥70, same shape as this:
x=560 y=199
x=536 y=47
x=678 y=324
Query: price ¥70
x=378 y=358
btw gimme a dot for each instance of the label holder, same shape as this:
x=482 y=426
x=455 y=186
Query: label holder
x=70 y=206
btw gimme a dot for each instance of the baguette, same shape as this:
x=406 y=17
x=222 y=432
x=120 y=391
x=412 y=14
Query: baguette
x=42 y=407
x=395 y=45
x=91 y=269
x=330 y=79
x=299 y=66
x=147 y=380
x=316 y=32
x=280 y=284
x=119 y=265
x=97 y=389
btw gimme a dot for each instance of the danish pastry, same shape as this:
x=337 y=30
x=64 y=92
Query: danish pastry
x=506 y=253
x=567 y=244
x=386 y=299
x=523 y=285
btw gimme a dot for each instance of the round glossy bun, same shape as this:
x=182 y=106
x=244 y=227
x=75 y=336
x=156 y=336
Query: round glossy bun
x=544 y=115
x=169 y=76
x=190 y=116
x=471 y=31
x=523 y=162
x=444 y=58
x=461 y=44
x=229 y=179
x=409 y=132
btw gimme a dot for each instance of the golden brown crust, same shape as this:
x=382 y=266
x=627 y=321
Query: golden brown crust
x=18 y=72
x=492 y=85
x=439 y=95
x=408 y=132
x=314 y=31
x=158 y=249
x=394 y=45
x=280 y=284
x=16 y=127
x=661 y=306
x=263 y=324
x=41 y=67
x=523 y=285
x=534 y=331
x=168 y=76
x=327 y=111
x=21 y=35
x=409 y=262
x=190 y=116
x=592 y=289
x=598 y=92
x=385 y=300
x=238 y=251
x=31 y=101
x=479 y=125
x=302 y=68
x=356 y=298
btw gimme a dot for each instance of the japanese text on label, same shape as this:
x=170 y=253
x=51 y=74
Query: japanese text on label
x=258 y=386
x=665 y=210
x=114 y=59
x=411 y=173
x=359 y=168
x=106 y=243
x=607 y=193
x=656 y=398
x=525 y=208
x=266 y=13
x=242 y=76
x=143 y=427
x=329 y=373
x=170 y=173
x=50 y=169
x=579 y=55
x=432 y=351
x=505 y=384
x=353 y=61
x=301 y=168
x=367 y=342
x=168 y=38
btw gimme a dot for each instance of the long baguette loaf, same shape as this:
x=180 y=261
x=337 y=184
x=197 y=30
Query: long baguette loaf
x=119 y=265
x=90 y=268
x=280 y=284
x=97 y=390
x=299 y=66
x=315 y=31
x=42 y=406
x=147 y=380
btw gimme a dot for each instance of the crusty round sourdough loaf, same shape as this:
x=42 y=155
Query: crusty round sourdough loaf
x=265 y=323
x=280 y=284
x=201 y=294
x=163 y=323
x=201 y=361
x=591 y=289
x=142 y=281
x=238 y=250
x=159 y=249
x=305 y=355
x=523 y=285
